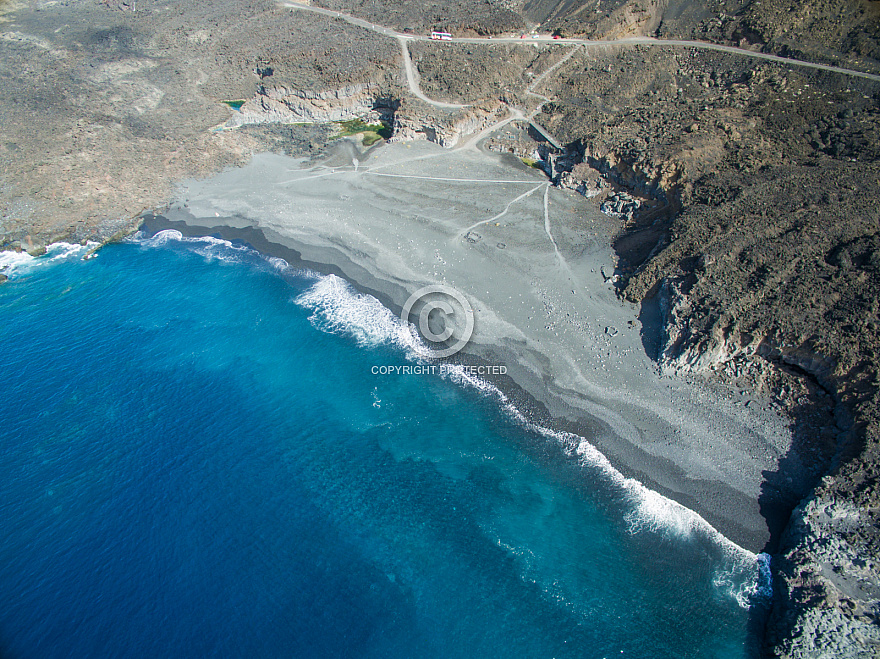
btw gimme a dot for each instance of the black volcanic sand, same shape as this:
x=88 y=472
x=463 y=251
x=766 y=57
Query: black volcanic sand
x=575 y=354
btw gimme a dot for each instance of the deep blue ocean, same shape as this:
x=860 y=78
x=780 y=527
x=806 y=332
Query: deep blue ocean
x=197 y=460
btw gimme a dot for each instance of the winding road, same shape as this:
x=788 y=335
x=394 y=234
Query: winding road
x=628 y=41
x=412 y=75
x=412 y=79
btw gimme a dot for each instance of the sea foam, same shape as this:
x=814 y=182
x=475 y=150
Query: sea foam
x=223 y=250
x=744 y=576
x=17 y=264
x=338 y=307
x=207 y=246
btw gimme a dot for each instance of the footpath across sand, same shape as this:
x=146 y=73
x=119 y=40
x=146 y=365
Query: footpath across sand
x=530 y=259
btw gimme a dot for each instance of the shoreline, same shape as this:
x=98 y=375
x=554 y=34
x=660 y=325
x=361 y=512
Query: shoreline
x=521 y=397
x=644 y=508
x=644 y=424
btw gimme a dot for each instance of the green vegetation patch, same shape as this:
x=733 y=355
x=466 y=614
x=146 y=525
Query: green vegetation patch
x=531 y=162
x=372 y=132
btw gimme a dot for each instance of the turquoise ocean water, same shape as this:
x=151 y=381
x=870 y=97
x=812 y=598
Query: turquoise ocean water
x=197 y=460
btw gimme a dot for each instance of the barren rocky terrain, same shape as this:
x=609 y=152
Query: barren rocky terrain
x=105 y=108
x=765 y=265
x=843 y=33
x=478 y=18
x=756 y=234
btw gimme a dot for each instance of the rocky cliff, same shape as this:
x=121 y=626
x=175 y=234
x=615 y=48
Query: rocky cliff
x=281 y=104
x=107 y=108
x=756 y=232
x=414 y=121
x=829 y=577
x=770 y=283
x=761 y=253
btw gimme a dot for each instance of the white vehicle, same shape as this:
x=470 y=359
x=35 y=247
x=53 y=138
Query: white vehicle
x=441 y=36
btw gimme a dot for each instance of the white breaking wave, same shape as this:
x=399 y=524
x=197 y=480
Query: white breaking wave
x=173 y=235
x=12 y=261
x=650 y=511
x=16 y=264
x=279 y=264
x=746 y=592
x=207 y=246
x=220 y=249
x=160 y=238
x=338 y=307
x=744 y=576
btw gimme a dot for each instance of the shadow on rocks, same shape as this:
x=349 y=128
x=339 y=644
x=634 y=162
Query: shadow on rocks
x=651 y=332
x=813 y=444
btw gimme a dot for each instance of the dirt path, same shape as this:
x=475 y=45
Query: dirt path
x=629 y=41
x=412 y=79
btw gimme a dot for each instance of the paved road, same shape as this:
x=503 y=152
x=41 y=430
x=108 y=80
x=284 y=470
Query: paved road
x=630 y=41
